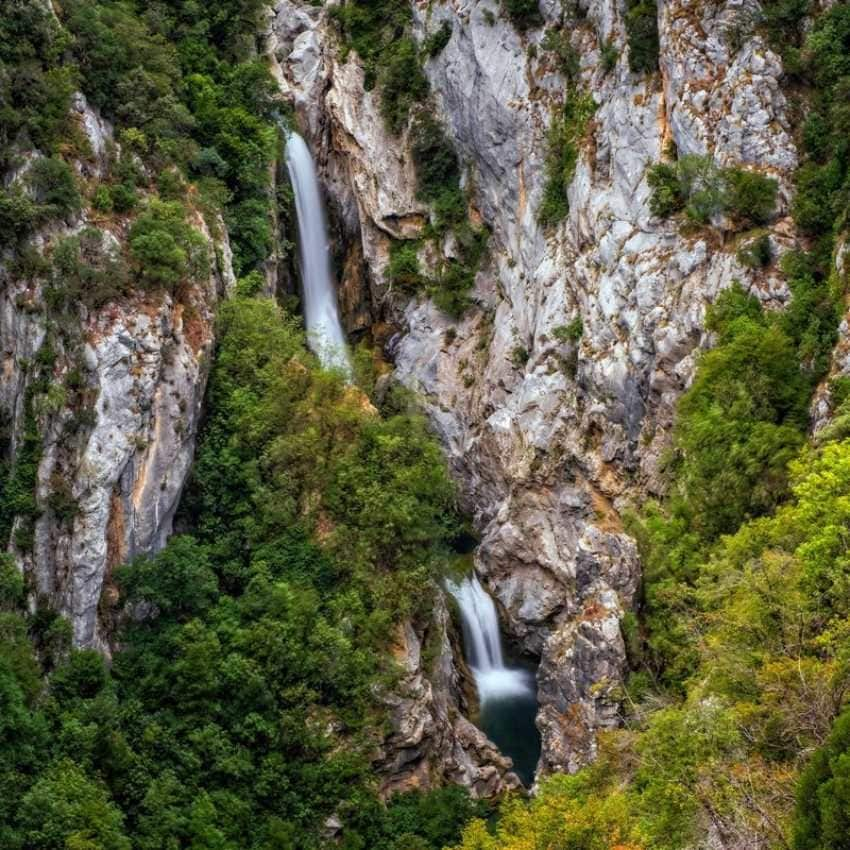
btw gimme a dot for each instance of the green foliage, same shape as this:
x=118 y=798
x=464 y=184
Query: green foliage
x=519 y=356
x=524 y=14
x=749 y=197
x=697 y=186
x=250 y=285
x=55 y=187
x=18 y=215
x=738 y=426
x=667 y=192
x=565 y=135
x=579 y=812
x=642 y=34
x=86 y=269
x=11 y=583
x=403 y=269
x=35 y=82
x=53 y=194
x=821 y=201
x=66 y=810
x=244 y=705
x=823 y=798
x=370 y=29
x=757 y=253
x=18 y=482
x=381 y=35
x=609 y=54
x=188 y=94
x=571 y=332
x=437 y=167
x=165 y=248
x=403 y=83
x=741 y=420
x=436 y=42
x=558 y=41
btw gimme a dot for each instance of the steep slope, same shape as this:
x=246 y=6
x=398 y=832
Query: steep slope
x=550 y=433
x=113 y=392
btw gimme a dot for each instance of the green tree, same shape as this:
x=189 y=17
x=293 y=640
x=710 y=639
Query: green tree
x=66 y=810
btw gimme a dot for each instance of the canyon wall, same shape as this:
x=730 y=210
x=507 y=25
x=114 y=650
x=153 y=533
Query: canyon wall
x=551 y=438
x=116 y=449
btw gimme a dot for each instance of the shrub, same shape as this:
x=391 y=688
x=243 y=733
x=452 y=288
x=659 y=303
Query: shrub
x=252 y=284
x=65 y=804
x=558 y=41
x=642 y=33
x=697 y=185
x=571 y=332
x=18 y=215
x=749 y=197
x=609 y=54
x=822 y=818
x=55 y=186
x=165 y=248
x=11 y=583
x=35 y=84
x=402 y=83
x=86 y=269
x=817 y=190
x=667 y=195
x=250 y=228
x=403 y=269
x=451 y=289
x=435 y=43
x=756 y=254
x=519 y=356
x=102 y=199
x=565 y=134
x=525 y=14
x=437 y=167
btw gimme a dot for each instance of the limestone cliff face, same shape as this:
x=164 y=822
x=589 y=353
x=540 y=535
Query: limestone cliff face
x=117 y=447
x=432 y=741
x=550 y=449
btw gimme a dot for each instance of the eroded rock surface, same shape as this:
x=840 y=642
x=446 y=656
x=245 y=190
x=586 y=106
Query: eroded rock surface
x=118 y=451
x=432 y=742
x=551 y=439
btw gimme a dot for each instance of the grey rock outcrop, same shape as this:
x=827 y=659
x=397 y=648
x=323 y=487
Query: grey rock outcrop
x=551 y=439
x=432 y=742
x=119 y=451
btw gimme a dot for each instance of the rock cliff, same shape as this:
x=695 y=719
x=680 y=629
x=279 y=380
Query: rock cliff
x=116 y=447
x=552 y=436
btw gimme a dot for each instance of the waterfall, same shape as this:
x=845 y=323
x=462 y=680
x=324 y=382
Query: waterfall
x=324 y=331
x=483 y=644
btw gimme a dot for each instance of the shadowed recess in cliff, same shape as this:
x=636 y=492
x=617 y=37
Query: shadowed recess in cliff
x=321 y=316
x=507 y=694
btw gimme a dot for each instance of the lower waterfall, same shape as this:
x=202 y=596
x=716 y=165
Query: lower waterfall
x=507 y=693
x=321 y=316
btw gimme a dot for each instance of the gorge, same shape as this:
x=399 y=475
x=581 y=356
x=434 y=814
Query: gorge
x=297 y=295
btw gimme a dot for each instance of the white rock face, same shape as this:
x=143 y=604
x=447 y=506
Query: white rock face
x=122 y=450
x=550 y=447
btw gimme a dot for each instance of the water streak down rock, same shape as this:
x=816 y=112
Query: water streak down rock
x=321 y=316
x=483 y=643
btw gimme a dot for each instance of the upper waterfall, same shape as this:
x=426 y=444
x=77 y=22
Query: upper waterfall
x=321 y=317
x=483 y=643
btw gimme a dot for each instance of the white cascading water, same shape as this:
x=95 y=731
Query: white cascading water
x=321 y=317
x=483 y=644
